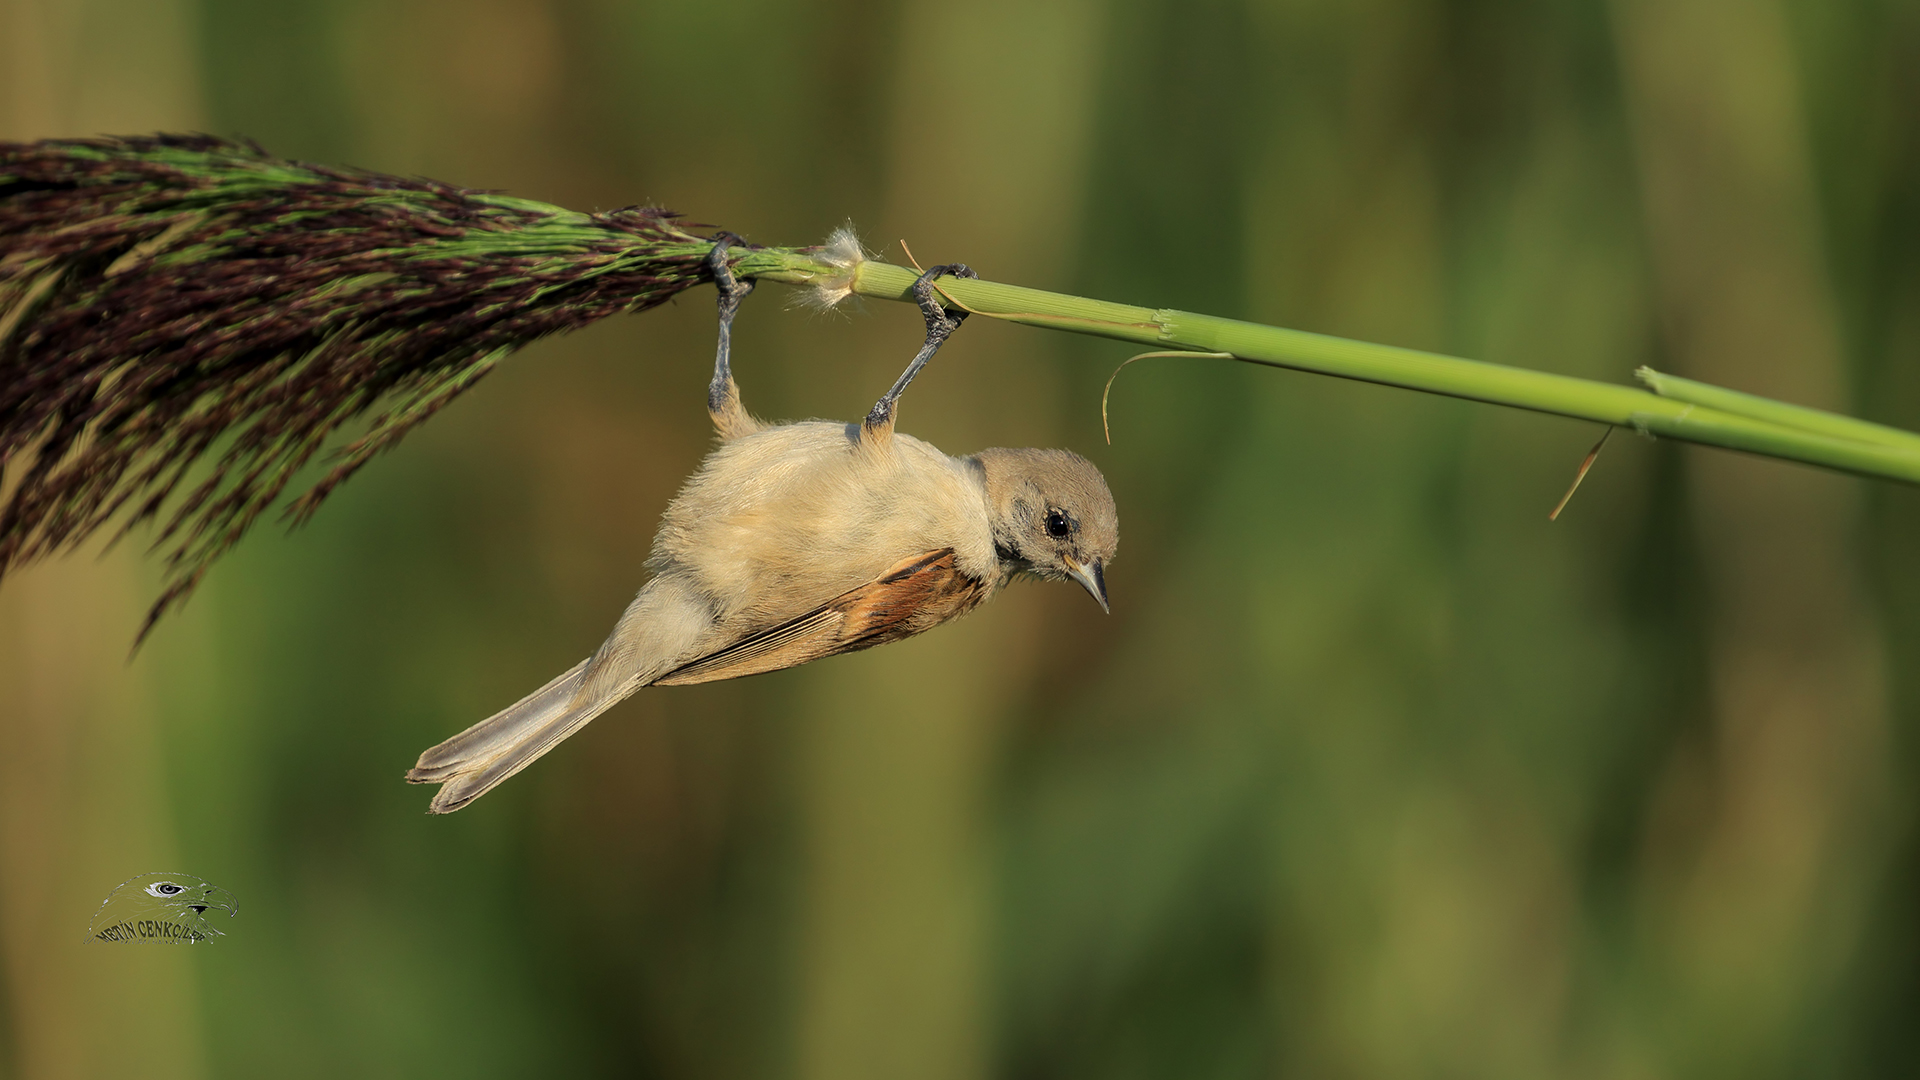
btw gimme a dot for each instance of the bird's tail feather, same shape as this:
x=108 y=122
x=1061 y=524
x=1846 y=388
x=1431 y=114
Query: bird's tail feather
x=468 y=765
x=664 y=621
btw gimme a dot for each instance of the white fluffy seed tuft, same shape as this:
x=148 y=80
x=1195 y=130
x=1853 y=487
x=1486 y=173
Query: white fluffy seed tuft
x=844 y=253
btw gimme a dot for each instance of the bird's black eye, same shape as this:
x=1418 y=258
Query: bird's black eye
x=1057 y=525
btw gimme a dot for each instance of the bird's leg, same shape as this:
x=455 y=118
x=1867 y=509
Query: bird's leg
x=723 y=396
x=941 y=324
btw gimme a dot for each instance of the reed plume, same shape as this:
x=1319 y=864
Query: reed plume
x=186 y=310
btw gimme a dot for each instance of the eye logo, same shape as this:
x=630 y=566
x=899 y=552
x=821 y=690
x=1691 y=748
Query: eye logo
x=162 y=909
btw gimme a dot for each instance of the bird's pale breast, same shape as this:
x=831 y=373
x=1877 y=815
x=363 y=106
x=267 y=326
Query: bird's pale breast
x=775 y=523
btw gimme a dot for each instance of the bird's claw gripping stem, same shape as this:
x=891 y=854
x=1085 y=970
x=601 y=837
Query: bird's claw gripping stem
x=723 y=396
x=941 y=323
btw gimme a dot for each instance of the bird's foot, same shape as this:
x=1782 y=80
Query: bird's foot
x=941 y=323
x=723 y=396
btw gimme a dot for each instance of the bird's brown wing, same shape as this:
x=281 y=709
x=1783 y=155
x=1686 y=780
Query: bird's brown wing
x=917 y=593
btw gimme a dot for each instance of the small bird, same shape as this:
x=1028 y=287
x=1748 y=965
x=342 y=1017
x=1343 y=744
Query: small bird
x=798 y=541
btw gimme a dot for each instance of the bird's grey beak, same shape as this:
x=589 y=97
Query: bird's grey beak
x=1092 y=578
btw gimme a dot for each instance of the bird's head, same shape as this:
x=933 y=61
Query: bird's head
x=1053 y=516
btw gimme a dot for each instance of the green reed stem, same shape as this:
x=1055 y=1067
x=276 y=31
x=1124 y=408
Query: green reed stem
x=1777 y=412
x=1682 y=410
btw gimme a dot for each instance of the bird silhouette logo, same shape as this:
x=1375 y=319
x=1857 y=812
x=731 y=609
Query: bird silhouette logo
x=162 y=909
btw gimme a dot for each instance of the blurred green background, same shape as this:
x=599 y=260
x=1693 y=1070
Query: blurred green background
x=1373 y=772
